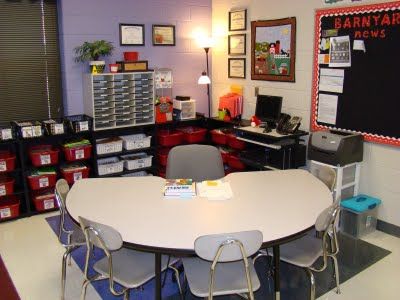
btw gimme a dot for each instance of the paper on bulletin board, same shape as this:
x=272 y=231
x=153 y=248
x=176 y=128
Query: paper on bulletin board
x=339 y=55
x=163 y=78
x=327 y=108
x=331 y=80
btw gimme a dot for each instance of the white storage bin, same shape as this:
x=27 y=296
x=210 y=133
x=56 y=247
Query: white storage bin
x=137 y=161
x=136 y=141
x=109 y=165
x=105 y=146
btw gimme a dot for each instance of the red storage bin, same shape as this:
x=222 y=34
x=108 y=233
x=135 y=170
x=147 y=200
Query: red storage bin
x=44 y=200
x=38 y=182
x=225 y=156
x=193 y=134
x=9 y=207
x=7 y=161
x=6 y=186
x=74 y=175
x=235 y=162
x=162 y=172
x=219 y=137
x=162 y=155
x=234 y=143
x=42 y=155
x=78 y=153
x=169 y=138
x=131 y=55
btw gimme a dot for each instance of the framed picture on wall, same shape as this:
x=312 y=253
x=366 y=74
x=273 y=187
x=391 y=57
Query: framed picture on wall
x=237 y=44
x=237 y=20
x=273 y=50
x=131 y=34
x=163 y=35
x=236 y=68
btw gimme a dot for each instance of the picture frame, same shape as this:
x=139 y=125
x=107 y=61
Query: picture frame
x=237 y=68
x=273 y=50
x=238 y=20
x=131 y=34
x=163 y=35
x=237 y=44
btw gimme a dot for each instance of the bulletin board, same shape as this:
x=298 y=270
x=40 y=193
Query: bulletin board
x=356 y=76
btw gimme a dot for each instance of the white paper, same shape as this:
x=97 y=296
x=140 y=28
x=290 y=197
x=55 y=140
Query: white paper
x=221 y=191
x=323 y=59
x=331 y=80
x=359 y=45
x=332 y=72
x=339 y=55
x=327 y=108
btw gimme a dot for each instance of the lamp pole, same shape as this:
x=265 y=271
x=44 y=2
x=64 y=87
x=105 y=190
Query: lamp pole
x=208 y=85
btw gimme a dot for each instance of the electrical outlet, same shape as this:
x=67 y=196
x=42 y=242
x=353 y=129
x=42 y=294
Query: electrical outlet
x=256 y=90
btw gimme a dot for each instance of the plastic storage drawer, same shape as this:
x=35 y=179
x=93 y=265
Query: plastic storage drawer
x=74 y=175
x=219 y=137
x=136 y=141
x=43 y=155
x=44 y=200
x=38 y=182
x=137 y=161
x=9 y=207
x=6 y=186
x=112 y=145
x=109 y=165
x=235 y=143
x=235 y=162
x=169 y=138
x=7 y=161
x=162 y=155
x=192 y=135
x=78 y=153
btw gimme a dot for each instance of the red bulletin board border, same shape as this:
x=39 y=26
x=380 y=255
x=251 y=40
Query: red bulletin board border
x=315 y=82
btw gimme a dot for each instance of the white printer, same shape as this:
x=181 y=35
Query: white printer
x=335 y=148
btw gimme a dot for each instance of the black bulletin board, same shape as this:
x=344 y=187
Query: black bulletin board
x=370 y=100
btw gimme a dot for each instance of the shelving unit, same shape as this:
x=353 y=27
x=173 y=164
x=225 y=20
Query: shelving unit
x=119 y=100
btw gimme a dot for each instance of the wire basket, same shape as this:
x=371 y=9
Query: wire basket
x=109 y=165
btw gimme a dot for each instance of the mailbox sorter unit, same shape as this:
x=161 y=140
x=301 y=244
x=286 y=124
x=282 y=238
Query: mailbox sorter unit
x=119 y=99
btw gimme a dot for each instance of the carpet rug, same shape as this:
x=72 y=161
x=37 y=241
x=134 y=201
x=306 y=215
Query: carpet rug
x=355 y=256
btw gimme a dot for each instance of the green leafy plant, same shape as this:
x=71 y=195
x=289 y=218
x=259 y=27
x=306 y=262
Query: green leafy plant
x=93 y=50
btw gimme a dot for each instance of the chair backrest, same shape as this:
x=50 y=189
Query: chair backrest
x=326 y=174
x=100 y=235
x=198 y=162
x=207 y=246
x=327 y=217
x=61 y=191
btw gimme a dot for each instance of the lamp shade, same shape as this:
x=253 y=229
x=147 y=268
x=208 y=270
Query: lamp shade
x=204 y=79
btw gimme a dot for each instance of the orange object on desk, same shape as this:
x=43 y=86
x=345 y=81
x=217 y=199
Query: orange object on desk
x=231 y=102
x=164 y=109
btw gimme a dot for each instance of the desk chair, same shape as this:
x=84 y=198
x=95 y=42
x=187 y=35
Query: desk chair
x=198 y=162
x=74 y=237
x=129 y=268
x=304 y=252
x=223 y=266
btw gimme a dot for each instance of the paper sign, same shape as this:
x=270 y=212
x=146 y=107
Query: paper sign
x=2 y=190
x=5 y=213
x=323 y=59
x=339 y=55
x=43 y=182
x=48 y=204
x=331 y=80
x=79 y=154
x=327 y=108
x=6 y=134
x=77 y=176
x=359 y=45
x=45 y=159
x=58 y=128
x=3 y=166
x=83 y=126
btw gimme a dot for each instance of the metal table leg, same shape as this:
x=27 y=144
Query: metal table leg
x=157 y=267
x=277 y=284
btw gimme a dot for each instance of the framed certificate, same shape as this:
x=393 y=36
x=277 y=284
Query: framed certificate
x=237 y=44
x=236 y=67
x=163 y=35
x=237 y=20
x=131 y=34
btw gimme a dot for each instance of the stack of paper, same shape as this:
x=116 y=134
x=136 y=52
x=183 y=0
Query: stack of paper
x=214 y=190
x=180 y=188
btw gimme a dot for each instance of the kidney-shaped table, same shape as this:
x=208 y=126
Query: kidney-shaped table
x=283 y=205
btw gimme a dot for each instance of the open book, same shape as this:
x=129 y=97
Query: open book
x=214 y=190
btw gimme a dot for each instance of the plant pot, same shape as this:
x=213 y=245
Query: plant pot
x=97 y=66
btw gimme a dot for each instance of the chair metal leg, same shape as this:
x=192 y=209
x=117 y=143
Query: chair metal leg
x=84 y=286
x=64 y=270
x=176 y=272
x=126 y=294
x=336 y=267
x=312 y=282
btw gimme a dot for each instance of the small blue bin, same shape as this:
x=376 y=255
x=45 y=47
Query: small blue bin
x=359 y=215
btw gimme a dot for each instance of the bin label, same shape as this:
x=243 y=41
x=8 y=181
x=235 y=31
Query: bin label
x=83 y=126
x=5 y=212
x=43 y=182
x=58 y=128
x=48 y=204
x=79 y=154
x=3 y=166
x=2 y=190
x=45 y=159
x=6 y=134
x=77 y=176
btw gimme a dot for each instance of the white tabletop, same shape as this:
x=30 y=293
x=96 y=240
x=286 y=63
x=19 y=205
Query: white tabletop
x=278 y=203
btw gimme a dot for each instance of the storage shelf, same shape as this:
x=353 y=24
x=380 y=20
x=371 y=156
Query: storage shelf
x=125 y=172
x=125 y=152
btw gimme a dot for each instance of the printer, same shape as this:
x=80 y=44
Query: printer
x=335 y=148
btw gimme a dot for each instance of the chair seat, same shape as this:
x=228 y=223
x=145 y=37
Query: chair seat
x=230 y=278
x=302 y=252
x=131 y=268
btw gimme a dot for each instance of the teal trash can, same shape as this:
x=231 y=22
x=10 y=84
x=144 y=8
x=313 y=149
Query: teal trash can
x=359 y=215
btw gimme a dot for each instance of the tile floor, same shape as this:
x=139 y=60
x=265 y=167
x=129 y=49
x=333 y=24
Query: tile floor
x=32 y=255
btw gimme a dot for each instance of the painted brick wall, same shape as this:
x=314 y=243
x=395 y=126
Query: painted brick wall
x=99 y=19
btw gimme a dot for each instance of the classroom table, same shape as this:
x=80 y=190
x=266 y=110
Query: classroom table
x=283 y=205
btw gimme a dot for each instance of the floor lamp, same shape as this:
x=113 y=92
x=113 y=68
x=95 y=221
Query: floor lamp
x=205 y=79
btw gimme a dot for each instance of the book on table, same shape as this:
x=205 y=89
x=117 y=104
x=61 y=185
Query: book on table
x=179 y=188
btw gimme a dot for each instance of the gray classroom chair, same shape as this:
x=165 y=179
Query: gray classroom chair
x=304 y=252
x=198 y=162
x=70 y=239
x=223 y=266
x=127 y=267
x=326 y=174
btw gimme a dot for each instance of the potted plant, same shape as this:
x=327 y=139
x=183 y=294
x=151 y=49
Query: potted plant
x=92 y=51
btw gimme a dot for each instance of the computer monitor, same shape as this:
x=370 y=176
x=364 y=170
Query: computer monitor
x=268 y=109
